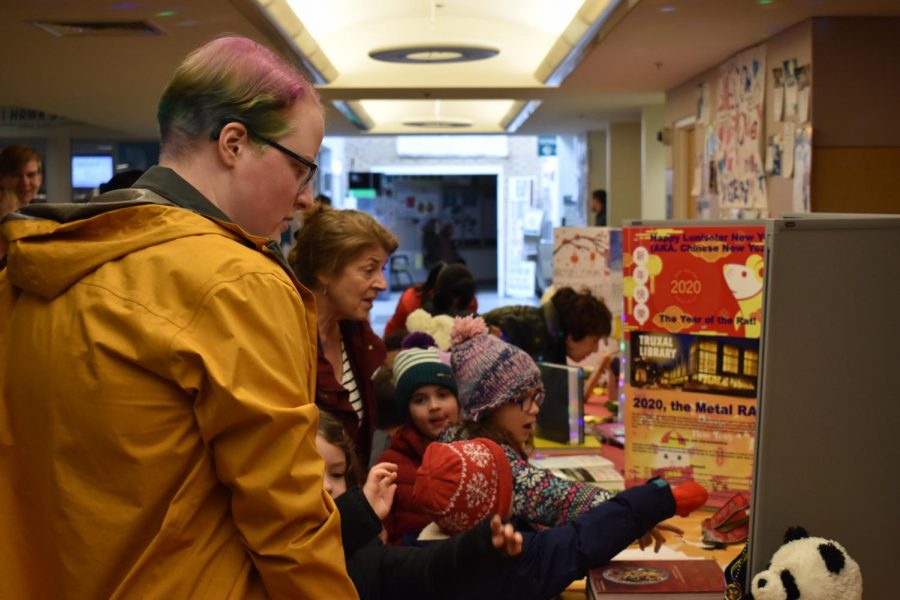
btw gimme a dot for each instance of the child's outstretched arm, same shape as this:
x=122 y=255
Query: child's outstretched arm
x=380 y=488
x=557 y=556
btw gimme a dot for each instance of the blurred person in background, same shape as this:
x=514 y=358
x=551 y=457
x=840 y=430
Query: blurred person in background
x=570 y=324
x=21 y=171
x=448 y=290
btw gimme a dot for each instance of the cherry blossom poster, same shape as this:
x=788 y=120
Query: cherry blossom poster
x=739 y=127
x=591 y=258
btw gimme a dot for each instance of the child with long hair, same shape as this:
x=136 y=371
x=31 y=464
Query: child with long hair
x=449 y=569
x=500 y=395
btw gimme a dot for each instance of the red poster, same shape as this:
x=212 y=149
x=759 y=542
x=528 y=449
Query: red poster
x=694 y=279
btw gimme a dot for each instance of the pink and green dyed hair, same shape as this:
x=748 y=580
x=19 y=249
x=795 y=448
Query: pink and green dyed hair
x=230 y=78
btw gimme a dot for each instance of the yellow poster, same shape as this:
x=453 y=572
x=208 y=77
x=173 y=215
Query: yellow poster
x=680 y=435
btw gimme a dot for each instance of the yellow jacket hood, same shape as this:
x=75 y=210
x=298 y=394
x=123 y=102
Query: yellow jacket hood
x=53 y=246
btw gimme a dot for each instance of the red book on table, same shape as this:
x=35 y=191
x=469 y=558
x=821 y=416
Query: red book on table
x=657 y=579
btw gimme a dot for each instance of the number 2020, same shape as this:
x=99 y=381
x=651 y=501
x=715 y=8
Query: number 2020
x=686 y=286
x=650 y=403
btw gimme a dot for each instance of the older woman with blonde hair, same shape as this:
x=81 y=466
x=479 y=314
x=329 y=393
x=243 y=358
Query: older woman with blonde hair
x=339 y=256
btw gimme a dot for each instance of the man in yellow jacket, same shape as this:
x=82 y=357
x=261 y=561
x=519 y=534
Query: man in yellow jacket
x=157 y=363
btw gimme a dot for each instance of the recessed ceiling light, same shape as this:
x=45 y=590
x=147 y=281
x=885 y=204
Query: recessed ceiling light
x=438 y=122
x=433 y=54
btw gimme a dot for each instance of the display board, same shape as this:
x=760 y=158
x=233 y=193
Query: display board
x=828 y=407
x=693 y=315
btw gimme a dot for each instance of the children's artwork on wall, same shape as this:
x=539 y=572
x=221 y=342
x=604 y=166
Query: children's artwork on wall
x=739 y=125
x=773 y=154
x=790 y=88
x=803 y=90
x=802 y=168
x=778 y=94
x=787 y=156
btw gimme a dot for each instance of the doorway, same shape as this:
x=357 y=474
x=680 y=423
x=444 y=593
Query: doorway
x=465 y=197
x=459 y=207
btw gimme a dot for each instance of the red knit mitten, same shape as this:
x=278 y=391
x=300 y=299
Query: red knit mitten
x=689 y=496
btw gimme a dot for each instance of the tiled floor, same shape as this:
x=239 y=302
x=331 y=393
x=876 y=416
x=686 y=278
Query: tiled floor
x=488 y=299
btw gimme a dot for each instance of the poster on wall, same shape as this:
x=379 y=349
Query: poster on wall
x=591 y=258
x=777 y=94
x=803 y=91
x=790 y=88
x=694 y=279
x=682 y=436
x=693 y=301
x=739 y=124
x=789 y=138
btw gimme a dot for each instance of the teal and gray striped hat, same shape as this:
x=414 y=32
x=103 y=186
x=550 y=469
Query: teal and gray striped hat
x=415 y=367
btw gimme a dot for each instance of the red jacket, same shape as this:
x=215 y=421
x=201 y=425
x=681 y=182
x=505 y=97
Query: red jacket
x=410 y=301
x=406 y=451
x=366 y=352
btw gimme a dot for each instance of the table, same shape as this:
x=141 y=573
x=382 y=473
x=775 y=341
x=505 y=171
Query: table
x=689 y=544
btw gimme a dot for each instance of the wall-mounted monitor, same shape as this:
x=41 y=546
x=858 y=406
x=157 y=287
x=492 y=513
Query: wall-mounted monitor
x=91 y=171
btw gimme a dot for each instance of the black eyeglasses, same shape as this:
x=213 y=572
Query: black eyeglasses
x=309 y=167
x=534 y=398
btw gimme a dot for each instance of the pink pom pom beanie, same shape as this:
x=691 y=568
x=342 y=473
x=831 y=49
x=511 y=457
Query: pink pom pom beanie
x=489 y=372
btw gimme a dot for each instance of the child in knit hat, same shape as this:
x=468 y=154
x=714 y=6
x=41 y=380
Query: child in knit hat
x=425 y=399
x=462 y=482
x=452 y=568
x=500 y=395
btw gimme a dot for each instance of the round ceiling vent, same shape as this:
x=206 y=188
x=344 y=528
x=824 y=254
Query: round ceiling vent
x=438 y=122
x=433 y=54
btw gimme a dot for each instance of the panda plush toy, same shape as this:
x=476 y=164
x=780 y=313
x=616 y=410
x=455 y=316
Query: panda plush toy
x=808 y=568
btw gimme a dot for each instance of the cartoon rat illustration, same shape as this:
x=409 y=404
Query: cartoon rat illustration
x=746 y=283
x=672 y=458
